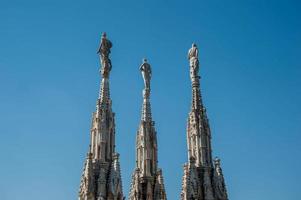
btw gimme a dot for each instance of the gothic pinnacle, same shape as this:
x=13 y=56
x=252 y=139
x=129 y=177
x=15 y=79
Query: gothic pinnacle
x=201 y=180
x=101 y=178
x=147 y=180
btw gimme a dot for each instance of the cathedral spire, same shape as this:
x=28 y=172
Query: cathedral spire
x=201 y=181
x=199 y=143
x=101 y=178
x=147 y=180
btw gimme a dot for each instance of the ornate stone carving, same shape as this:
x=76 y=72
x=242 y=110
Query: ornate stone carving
x=104 y=52
x=146 y=71
x=147 y=180
x=219 y=182
x=207 y=186
x=194 y=61
x=201 y=180
x=101 y=179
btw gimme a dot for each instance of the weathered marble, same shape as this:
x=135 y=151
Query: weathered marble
x=146 y=71
x=201 y=180
x=147 y=180
x=101 y=178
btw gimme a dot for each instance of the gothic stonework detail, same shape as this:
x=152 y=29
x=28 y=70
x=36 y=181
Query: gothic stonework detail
x=147 y=179
x=202 y=180
x=101 y=177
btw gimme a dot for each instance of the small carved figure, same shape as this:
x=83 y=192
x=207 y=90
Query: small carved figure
x=105 y=46
x=219 y=182
x=104 y=51
x=217 y=163
x=193 y=54
x=193 y=51
x=146 y=71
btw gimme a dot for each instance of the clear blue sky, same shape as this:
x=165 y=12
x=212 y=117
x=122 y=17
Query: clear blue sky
x=250 y=55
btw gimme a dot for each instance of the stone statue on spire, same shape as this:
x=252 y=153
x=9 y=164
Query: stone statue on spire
x=202 y=180
x=101 y=177
x=193 y=54
x=146 y=71
x=147 y=180
x=219 y=182
x=104 y=52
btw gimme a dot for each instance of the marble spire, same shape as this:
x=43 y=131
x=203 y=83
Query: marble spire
x=202 y=180
x=101 y=178
x=147 y=179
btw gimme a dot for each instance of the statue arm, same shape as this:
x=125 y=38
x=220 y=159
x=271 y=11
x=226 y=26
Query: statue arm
x=98 y=52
